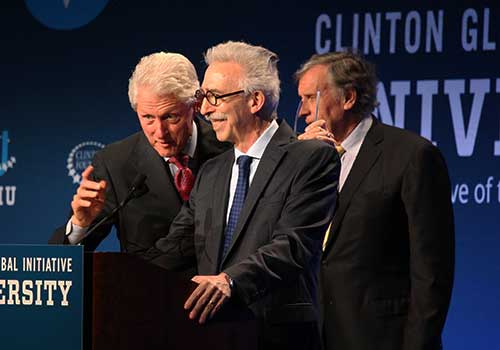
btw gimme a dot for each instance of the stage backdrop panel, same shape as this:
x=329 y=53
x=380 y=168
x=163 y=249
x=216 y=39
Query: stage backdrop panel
x=65 y=69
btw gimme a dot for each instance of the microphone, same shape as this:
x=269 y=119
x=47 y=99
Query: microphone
x=137 y=189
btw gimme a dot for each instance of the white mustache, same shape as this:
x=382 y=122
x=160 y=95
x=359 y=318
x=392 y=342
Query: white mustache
x=217 y=117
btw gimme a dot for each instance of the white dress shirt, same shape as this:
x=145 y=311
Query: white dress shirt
x=255 y=151
x=352 y=144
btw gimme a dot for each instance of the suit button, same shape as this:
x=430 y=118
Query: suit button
x=330 y=302
x=324 y=263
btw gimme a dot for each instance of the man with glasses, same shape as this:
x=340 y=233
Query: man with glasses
x=257 y=214
x=171 y=147
x=387 y=268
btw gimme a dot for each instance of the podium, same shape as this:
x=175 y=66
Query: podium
x=41 y=294
x=132 y=304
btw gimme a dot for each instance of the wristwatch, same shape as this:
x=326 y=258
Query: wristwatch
x=230 y=281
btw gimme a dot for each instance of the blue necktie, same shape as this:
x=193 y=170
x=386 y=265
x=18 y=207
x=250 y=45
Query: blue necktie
x=238 y=200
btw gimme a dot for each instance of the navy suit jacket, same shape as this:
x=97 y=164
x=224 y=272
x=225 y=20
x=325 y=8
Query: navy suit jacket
x=387 y=269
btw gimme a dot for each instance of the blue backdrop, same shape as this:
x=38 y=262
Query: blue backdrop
x=65 y=66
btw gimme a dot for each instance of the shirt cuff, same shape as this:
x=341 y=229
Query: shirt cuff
x=74 y=232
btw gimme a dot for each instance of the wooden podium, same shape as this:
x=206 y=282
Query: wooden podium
x=131 y=304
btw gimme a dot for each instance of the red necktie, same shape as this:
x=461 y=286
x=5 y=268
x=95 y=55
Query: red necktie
x=183 y=179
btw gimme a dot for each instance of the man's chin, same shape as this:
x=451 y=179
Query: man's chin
x=222 y=137
x=166 y=151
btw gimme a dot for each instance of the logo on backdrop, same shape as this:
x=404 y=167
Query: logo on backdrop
x=6 y=162
x=65 y=14
x=80 y=158
x=7 y=193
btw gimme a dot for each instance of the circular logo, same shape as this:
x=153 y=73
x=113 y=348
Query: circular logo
x=65 y=14
x=80 y=158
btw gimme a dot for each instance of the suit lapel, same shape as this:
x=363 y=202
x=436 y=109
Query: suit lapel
x=159 y=180
x=219 y=207
x=367 y=156
x=201 y=144
x=270 y=160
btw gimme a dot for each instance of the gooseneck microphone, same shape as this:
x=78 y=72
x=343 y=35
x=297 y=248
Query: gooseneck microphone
x=136 y=189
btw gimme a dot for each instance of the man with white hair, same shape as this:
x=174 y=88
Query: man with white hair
x=257 y=214
x=169 y=151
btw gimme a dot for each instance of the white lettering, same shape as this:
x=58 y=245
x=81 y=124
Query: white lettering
x=38 y=284
x=13 y=286
x=487 y=44
x=9 y=264
x=392 y=17
x=496 y=146
x=462 y=192
x=15 y=292
x=412 y=16
x=322 y=21
x=399 y=89
x=372 y=33
x=64 y=286
x=27 y=292
x=469 y=35
x=427 y=89
x=50 y=286
x=338 y=34
x=2 y=297
x=355 y=31
x=465 y=138
x=435 y=31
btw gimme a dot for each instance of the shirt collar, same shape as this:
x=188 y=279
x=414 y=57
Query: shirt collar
x=358 y=134
x=259 y=146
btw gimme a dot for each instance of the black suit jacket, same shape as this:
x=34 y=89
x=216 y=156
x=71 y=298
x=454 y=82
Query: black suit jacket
x=145 y=219
x=275 y=251
x=387 y=270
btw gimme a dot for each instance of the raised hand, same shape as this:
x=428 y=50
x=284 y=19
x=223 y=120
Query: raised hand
x=317 y=130
x=89 y=199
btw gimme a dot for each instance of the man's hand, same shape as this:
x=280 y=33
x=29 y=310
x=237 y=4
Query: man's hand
x=317 y=130
x=89 y=199
x=212 y=292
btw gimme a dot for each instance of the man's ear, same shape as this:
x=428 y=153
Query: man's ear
x=350 y=97
x=256 y=101
x=197 y=106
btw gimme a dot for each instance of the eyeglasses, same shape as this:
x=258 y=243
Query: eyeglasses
x=212 y=97
x=299 y=107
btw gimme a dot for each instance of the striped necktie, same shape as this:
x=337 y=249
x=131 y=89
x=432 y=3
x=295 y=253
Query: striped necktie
x=238 y=199
x=184 y=178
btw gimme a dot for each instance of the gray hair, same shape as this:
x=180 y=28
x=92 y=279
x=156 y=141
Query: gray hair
x=348 y=70
x=260 y=67
x=166 y=74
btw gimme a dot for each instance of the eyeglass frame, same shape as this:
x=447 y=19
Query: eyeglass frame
x=200 y=95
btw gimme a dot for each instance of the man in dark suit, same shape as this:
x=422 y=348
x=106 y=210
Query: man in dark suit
x=161 y=91
x=387 y=268
x=257 y=214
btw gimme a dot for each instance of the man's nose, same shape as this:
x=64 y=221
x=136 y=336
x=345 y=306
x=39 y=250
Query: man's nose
x=206 y=108
x=162 y=128
x=304 y=110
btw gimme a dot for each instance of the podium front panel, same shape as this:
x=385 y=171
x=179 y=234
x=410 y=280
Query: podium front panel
x=41 y=297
